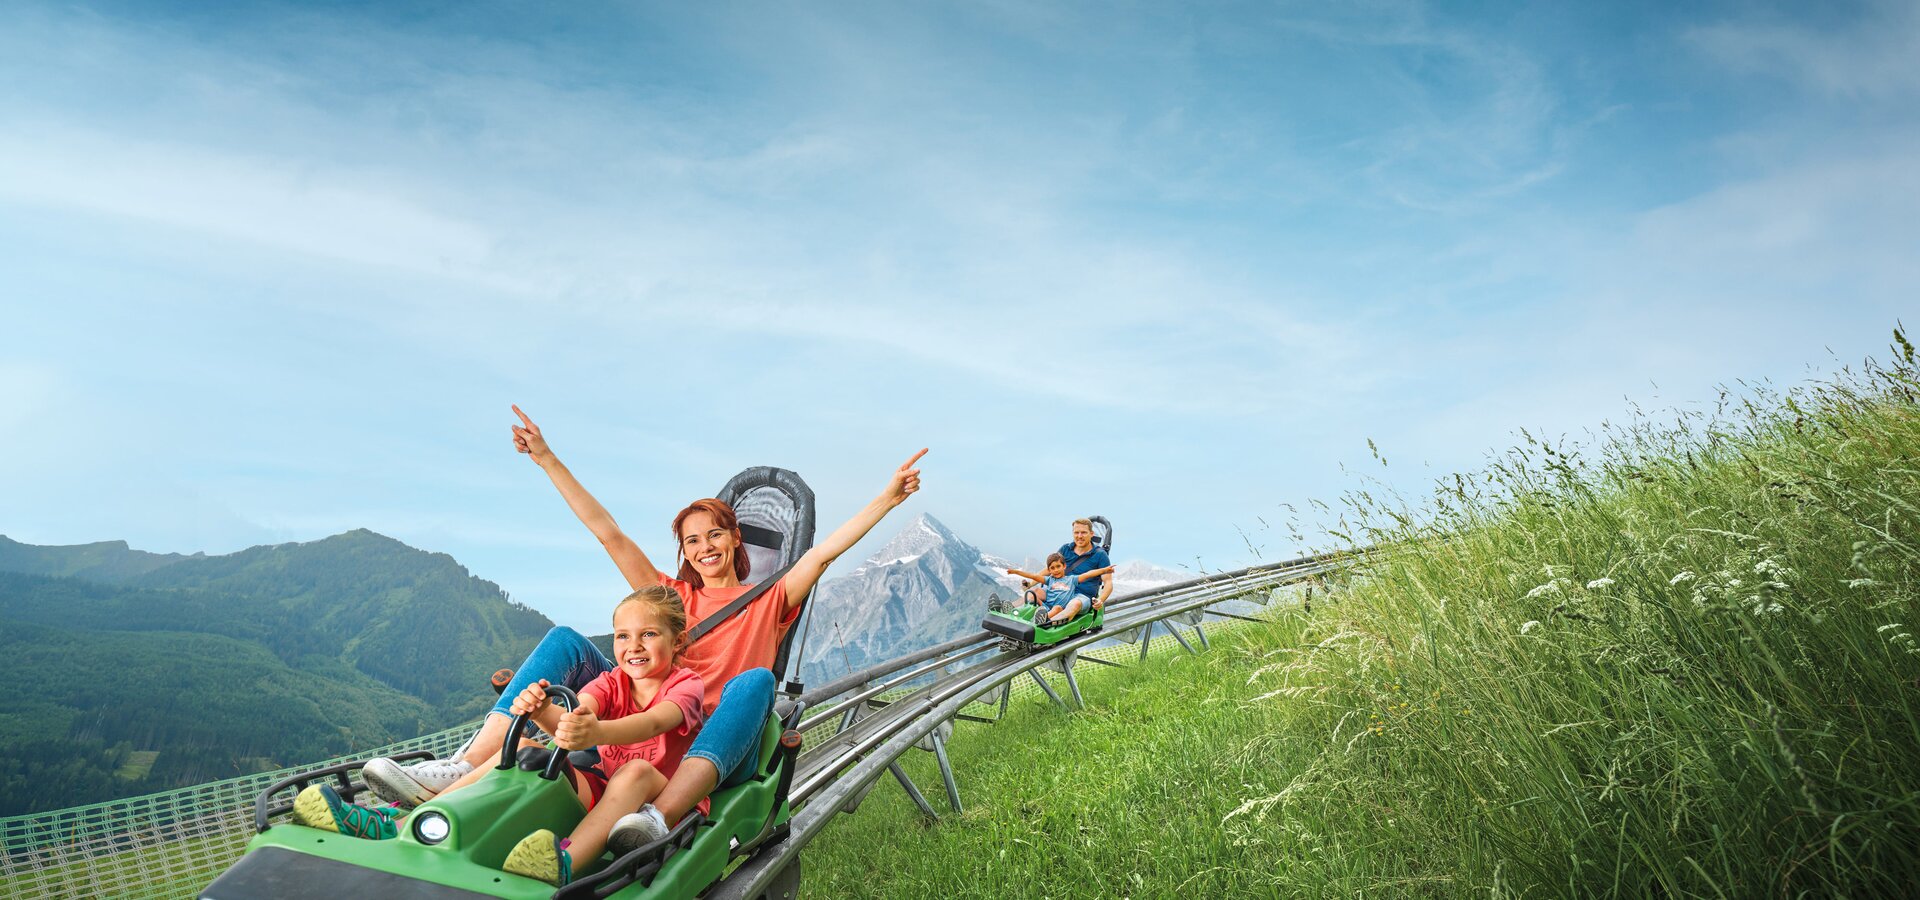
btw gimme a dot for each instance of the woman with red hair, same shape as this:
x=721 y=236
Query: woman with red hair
x=734 y=659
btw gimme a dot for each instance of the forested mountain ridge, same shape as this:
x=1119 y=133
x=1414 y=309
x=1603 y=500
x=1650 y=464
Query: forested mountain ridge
x=166 y=670
x=415 y=620
x=108 y=561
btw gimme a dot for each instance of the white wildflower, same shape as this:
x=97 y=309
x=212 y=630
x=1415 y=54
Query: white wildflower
x=1768 y=567
x=1683 y=576
x=1861 y=582
x=1886 y=628
x=1528 y=626
x=1551 y=587
x=1599 y=584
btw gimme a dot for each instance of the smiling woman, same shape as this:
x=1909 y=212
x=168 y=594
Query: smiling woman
x=732 y=649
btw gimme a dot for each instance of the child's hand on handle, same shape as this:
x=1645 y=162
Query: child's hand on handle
x=905 y=480
x=531 y=700
x=578 y=730
x=527 y=438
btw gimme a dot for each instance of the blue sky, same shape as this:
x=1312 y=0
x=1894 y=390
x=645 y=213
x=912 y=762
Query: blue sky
x=276 y=271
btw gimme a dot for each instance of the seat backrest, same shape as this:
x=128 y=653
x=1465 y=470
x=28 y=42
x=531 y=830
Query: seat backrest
x=1102 y=533
x=776 y=512
x=775 y=508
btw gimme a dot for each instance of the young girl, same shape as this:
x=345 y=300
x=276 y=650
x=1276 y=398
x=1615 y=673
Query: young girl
x=642 y=715
x=1055 y=593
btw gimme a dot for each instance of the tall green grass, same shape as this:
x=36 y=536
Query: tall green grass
x=1678 y=661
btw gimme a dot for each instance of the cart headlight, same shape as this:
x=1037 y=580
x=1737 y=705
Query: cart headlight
x=431 y=827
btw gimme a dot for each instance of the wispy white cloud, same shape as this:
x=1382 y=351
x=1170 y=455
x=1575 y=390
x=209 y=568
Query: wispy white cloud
x=1870 y=55
x=282 y=205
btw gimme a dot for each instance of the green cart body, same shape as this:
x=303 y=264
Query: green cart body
x=1017 y=625
x=484 y=821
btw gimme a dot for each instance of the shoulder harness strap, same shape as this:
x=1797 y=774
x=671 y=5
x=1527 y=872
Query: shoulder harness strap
x=739 y=603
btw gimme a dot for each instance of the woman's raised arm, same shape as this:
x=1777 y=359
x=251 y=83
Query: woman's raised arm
x=807 y=570
x=633 y=564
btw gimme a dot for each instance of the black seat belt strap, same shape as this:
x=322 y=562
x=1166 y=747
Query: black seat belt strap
x=739 y=603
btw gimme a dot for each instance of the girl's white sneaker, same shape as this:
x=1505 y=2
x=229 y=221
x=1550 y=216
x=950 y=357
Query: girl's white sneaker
x=636 y=830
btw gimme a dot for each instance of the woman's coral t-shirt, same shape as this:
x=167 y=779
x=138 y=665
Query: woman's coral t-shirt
x=749 y=640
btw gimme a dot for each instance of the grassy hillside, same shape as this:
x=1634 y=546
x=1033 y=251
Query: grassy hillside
x=1680 y=661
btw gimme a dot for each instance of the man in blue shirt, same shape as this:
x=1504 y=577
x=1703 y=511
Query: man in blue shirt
x=1081 y=557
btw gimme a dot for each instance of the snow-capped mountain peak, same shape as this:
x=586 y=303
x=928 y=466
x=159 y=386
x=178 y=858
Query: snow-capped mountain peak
x=921 y=536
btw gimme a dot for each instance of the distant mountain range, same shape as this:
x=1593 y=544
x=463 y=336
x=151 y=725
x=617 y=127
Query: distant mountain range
x=144 y=671
x=927 y=585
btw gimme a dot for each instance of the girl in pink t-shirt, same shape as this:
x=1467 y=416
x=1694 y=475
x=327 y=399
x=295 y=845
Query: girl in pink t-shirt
x=642 y=715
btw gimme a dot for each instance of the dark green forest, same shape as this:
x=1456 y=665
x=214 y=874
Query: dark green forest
x=145 y=672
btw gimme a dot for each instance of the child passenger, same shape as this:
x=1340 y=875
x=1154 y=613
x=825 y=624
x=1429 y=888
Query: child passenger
x=641 y=715
x=1058 y=601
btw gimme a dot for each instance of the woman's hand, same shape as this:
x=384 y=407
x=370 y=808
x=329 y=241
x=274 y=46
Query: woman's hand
x=528 y=440
x=531 y=700
x=904 y=482
x=578 y=730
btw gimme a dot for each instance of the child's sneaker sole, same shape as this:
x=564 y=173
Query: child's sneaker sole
x=311 y=809
x=538 y=856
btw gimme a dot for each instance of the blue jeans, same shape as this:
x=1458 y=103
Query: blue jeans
x=730 y=736
x=727 y=739
x=564 y=656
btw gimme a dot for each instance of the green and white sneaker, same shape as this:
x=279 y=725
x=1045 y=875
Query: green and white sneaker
x=320 y=806
x=541 y=856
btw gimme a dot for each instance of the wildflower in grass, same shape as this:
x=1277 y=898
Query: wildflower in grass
x=1528 y=626
x=1599 y=584
x=1684 y=576
x=1861 y=582
x=1551 y=587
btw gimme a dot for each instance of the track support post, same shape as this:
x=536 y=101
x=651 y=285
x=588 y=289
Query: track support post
x=1066 y=668
x=1178 y=636
x=1042 y=682
x=919 y=799
x=946 y=771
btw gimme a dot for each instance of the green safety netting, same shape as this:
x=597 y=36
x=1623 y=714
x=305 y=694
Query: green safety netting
x=160 y=845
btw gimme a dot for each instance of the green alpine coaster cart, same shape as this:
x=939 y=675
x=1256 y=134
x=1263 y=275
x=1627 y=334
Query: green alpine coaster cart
x=453 y=847
x=1016 y=627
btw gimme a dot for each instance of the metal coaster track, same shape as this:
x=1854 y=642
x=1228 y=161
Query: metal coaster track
x=872 y=733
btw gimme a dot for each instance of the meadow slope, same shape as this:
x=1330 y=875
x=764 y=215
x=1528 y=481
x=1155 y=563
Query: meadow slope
x=1676 y=660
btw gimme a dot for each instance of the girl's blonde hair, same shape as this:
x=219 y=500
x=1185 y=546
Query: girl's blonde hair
x=666 y=604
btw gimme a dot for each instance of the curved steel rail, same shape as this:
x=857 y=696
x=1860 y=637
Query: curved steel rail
x=834 y=773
